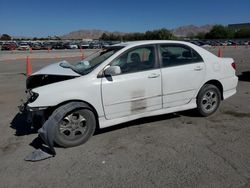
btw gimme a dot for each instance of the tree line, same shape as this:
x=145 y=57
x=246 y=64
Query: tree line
x=161 y=34
x=224 y=32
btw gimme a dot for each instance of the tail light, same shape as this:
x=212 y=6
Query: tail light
x=234 y=65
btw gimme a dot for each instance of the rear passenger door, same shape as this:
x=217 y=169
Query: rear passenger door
x=182 y=73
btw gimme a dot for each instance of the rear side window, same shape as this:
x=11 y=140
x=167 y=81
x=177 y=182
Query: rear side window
x=174 y=55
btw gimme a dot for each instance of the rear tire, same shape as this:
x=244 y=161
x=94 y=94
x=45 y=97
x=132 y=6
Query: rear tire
x=208 y=100
x=75 y=128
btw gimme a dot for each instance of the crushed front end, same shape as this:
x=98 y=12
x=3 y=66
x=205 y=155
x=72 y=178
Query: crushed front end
x=35 y=116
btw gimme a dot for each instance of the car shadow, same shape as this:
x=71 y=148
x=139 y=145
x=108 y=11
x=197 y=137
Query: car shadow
x=21 y=126
x=137 y=122
x=244 y=76
x=189 y=113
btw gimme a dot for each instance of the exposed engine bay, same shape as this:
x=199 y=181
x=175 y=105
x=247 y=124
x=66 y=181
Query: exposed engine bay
x=41 y=80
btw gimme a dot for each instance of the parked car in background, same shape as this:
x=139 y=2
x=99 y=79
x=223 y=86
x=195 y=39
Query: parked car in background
x=23 y=46
x=105 y=44
x=71 y=46
x=95 y=45
x=36 y=46
x=1 y=43
x=246 y=42
x=126 y=81
x=9 y=46
x=84 y=45
x=47 y=45
x=58 y=45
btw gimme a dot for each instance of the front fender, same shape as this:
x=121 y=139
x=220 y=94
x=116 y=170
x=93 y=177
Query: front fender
x=85 y=88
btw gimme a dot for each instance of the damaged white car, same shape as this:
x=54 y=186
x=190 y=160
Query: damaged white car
x=124 y=82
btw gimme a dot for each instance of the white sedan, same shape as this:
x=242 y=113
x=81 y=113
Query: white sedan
x=23 y=46
x=125 y=82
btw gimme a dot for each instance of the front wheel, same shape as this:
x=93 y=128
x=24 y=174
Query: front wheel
x=208 y=100
x=75 y=128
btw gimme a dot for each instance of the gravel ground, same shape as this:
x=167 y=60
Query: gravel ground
x=174 y=150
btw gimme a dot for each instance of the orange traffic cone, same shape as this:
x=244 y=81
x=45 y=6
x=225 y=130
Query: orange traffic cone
x=219 y=53
x=28 y=67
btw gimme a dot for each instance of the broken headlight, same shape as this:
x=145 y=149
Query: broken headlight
x=32 y=96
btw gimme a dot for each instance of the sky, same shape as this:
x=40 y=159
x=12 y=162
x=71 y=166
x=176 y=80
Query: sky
x=34 y=18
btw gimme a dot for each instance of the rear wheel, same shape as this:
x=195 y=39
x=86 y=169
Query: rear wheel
x=75 y=128
x=208 y=100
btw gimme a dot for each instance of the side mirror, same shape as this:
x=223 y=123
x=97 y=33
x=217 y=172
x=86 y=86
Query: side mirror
x=112 y=71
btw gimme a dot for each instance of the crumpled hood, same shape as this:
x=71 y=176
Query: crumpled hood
x=50 y=74
x=56 y=69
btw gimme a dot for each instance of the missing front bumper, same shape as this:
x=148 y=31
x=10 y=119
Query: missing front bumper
x=35 y=117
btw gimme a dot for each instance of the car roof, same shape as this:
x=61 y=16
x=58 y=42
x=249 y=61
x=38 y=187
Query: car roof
x=146 y=42
x=201 y=51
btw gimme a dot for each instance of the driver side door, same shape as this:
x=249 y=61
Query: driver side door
x=137 y=89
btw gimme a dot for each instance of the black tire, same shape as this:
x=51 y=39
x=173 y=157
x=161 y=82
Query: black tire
x=208 y=100
x=69 y=133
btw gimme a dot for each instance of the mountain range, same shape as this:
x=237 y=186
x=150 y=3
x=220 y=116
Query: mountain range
x=188 y=30
x=182 y=31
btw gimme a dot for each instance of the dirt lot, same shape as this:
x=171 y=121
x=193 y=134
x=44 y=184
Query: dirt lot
x=175 y=150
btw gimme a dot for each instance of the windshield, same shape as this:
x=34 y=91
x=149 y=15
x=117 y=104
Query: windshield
x=90 y=63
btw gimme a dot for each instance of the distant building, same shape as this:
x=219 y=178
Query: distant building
x=239 y=26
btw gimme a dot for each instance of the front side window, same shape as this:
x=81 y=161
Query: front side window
x=174 y=55
x=137 y=59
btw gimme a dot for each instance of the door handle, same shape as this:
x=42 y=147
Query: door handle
x=199 y=68
x=154 y=75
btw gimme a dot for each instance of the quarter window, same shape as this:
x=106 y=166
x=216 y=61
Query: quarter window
x=174 y=55
x=137 y=59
